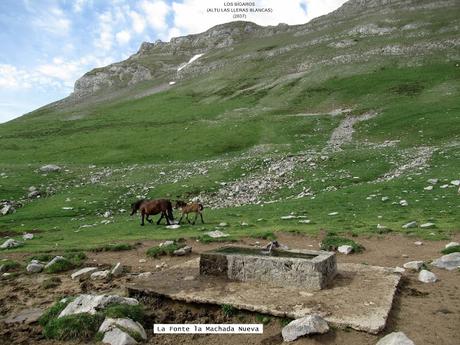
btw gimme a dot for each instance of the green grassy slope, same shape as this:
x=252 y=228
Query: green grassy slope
x=222 y=126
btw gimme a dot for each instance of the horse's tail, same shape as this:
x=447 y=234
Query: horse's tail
x=200 y=206
x=136 y=205
x=170 y=211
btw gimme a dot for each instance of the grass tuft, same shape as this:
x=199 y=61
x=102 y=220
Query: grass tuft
x=9 y=265
x=228 y=310
x=53 y=312
x=82 y=326
x=453 y=249
x=118 y=247
x=51 y=283
x=164 y=250
x=331 y=243
x=133 y=312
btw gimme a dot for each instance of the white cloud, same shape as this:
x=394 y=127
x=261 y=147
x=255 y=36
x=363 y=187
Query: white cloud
x=52 y=20
x=79 y=5
x=123 y=37
x=156 y=13
x=138 y=22
x=105 y=38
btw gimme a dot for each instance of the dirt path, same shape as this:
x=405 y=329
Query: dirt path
x=427 y=313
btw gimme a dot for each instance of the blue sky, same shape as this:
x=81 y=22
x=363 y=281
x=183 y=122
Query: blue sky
x=48 y=44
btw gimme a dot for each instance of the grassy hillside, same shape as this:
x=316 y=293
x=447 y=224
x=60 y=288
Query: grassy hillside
x=266 y=119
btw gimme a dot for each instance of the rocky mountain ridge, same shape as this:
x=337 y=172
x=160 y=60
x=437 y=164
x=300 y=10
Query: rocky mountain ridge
x=351 y=34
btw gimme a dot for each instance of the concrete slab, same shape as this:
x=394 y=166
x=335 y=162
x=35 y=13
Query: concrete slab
x=360 y=296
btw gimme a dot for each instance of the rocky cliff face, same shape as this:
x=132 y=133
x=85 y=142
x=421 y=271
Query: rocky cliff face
x=359 y=31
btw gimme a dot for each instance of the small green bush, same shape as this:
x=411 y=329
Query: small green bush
x=82 y=326
x=42 y=257
x=118 y=247
x=228 y=310
x=333 y=242
x=453 y=249
x=133 y=312
x=164 y=250
x=264 y=319
x=9 y=265
x=53 y=312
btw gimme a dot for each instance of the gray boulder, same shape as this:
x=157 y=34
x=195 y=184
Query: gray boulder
x=452 y=244
x=413 y=265
x=83 y=273
x=426 y=276
x=27 y=236
x=34 y=194
x=449 y=262
x=345 y=249
x=54 y=260
x=100 y=274
x=50 y=168
x=34 y=267
x=117 y=270
x=117 y=337
x=310 y=324
x=6 y=208
x=183 y=251
x=92 y=303
x=127 y=324
x=409 y=225
x=395 y=338
x=10 y=243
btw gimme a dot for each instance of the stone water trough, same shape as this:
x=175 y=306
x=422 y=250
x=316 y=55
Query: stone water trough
x=308 y=269
x=282 y=283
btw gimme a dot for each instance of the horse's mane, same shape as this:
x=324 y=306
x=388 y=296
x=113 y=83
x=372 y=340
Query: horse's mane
x=136 y=205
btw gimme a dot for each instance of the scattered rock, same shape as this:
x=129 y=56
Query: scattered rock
x=449 y=262
x=117 y=337
x=216 y=234
x=34 y=194
x=333 y=213
x=142 y=261
x=413 y=265
x=173 y=226
x=403 y=203
x=385 y=198
x=427 y=225
x=50 y=168
x=126 y=324
x=166 y=243
x=223 y=224
x=305 y=221
x=54 y=260
x=6 y=209
x=395 y=338
x=428 y=188
x=107 y=214
x=92 y=303
x=35 y=267
x=117 y=270
x=310 y=324
x=418 y=243
x=412 y=224
x=83 y=273
x=144 y=275
x=100 y=274
x=426 y=276
x=433 y=180
x=27 y=236
x=455 y=182
x=10 y=243
x=345 y=249
x=452 y=244
x=398 y=269
x=288 y=217
x=183 y=251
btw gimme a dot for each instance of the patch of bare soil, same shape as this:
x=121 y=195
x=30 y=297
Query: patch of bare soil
x=427 y=313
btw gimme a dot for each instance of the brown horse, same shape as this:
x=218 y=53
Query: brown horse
x=193 y=207
x=152 y=207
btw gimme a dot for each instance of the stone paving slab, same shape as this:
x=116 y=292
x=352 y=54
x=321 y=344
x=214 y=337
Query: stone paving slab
x=360 y=297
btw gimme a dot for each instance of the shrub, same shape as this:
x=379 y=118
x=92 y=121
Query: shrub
x=53 y=312
x=82 y=326
x=164 y=250
x=333 y=242
x=228 y=310
x=134 y=312
x=450 y=250
x=114 y=247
